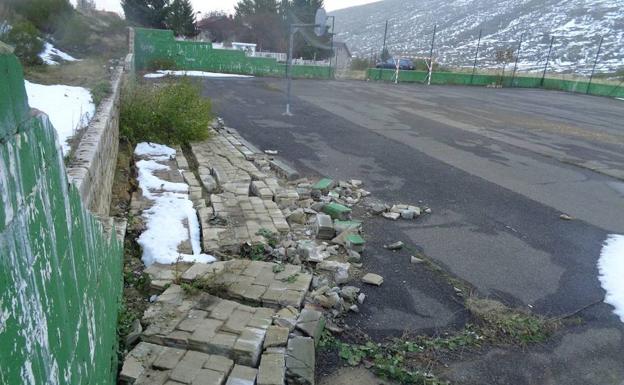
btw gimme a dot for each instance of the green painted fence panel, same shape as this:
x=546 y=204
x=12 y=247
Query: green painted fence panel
x=451 y=78
x=60 y=276
x=157 y=44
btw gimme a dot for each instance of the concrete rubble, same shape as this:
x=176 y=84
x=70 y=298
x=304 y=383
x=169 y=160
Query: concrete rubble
x=289 y=249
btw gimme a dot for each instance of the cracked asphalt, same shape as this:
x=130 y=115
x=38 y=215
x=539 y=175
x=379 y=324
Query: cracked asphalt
x=498 y=167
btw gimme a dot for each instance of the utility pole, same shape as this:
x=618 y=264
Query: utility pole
x=435 y=26
x=594 y=67
x=552 y=40
x=291 y=34
x=517 y=57
x=474 y=65
x=333 y=54
x=383 y=49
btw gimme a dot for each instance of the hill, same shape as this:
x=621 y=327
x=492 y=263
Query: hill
x=577 y=26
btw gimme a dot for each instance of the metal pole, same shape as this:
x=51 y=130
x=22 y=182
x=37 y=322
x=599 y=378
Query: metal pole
x=435 y=26
x=333 y=54
x=383 y=49
x=513 y=76
x=291 y=32
x=474 y=65
x=552 y=39
x=595 y=62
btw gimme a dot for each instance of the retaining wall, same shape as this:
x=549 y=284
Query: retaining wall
x=158 y=44
x=447 y=78
x=60 y=271
x=92 y=165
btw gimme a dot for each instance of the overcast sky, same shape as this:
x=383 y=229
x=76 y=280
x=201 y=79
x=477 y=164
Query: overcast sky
x=228 y=5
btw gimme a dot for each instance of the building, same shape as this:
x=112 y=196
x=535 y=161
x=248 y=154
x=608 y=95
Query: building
x=342 y=57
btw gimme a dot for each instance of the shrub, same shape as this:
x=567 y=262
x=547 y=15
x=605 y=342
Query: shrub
x=73 y=34
x=100 y=91
x=174 y=113
x=358 y=64
x=43 y=14
x=161 y=64
x=25 y=38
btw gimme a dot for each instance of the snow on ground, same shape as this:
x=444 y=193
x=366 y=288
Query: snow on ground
x=201 y=74
x=611 y=272
x=50 y=53
x=164 y=221
x=69 y=108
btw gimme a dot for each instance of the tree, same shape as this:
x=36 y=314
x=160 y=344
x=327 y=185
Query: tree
x=220 y=27
x=263 y=22
x=304 y=11
x=24 y=36
x=43 y=14
x=181 y=18
x=146 y=13
x=504 y=56
x=85 y=5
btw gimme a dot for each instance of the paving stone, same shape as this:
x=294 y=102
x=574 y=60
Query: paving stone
x=220 y=364
x=286 y=317
x=222 y=344
x=311 y=322
x=248 y=346
x=168 y=358
x=337 y=211
x=324 y=227
x=276 y=336
x=203 y=334
x=208 y=377
x=373 y=279
x=196 y=271
x=242 y=375
x=300 y=361
x=188 y=368
x=139 y=358
x=272 y=370
x=153 y=377
x=193 y=320
x=237 y=321
x=177 y=339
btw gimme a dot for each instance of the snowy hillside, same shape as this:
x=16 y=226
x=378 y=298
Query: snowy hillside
x=577 y=26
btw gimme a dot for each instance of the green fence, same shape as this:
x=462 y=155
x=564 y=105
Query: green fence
x=451 y=78
x=156 y=44
x=60 y=277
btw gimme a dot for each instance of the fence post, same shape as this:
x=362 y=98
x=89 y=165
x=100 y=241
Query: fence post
x=435 y=26
x=513 y=76
x=552 y=39
x=594 y=67
x=474 y=65
x=383 y=49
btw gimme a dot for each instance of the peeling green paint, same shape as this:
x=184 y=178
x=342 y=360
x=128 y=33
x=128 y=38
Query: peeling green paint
x=153 y=44
x=60 y=276
x=466 y=79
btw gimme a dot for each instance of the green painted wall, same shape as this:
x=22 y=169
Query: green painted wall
x=153 y=44
x=60 y=277
x=445 y=78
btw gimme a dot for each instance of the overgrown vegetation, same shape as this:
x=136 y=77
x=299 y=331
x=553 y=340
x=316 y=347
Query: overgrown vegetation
x=100 y=91
x=170 y=113
x=161 y=64
x=24 y=36
x=409 y=359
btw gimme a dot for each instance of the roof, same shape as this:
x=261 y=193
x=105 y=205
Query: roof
x=342 y=44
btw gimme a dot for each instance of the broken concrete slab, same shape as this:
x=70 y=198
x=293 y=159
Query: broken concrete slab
x=300 y=361
x=373 y=279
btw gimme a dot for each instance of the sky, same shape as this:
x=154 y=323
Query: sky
x=228 y=5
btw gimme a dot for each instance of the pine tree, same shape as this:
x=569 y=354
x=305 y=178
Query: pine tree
x=146 y=13
x=181 y=18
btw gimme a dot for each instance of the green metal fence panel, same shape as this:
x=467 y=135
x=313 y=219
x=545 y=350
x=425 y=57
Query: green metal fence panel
x=60 y=276
x=451 y=78
x=155 y=44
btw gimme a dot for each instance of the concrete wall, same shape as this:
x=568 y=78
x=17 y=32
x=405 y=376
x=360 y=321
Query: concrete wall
x=154 y=44
x=92 y=167
x=448 y=78
x=60 y=272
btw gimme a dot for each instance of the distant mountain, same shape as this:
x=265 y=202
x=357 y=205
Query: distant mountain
x=577 y=26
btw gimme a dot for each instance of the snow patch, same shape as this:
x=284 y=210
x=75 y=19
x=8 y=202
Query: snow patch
x=69 y=108
x=611 y=272
x=50 y=53
x=165 y=220
x=201 y=74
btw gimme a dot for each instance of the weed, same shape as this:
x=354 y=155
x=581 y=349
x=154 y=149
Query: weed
x=161 y=64
x=25 y=38
x=100 y=91
x=209 y=284
x=278 y=268
x=291 y=278
x=269 y=236
x=171 y=114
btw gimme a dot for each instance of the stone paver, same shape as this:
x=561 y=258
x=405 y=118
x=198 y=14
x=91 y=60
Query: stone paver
x=253 y=281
